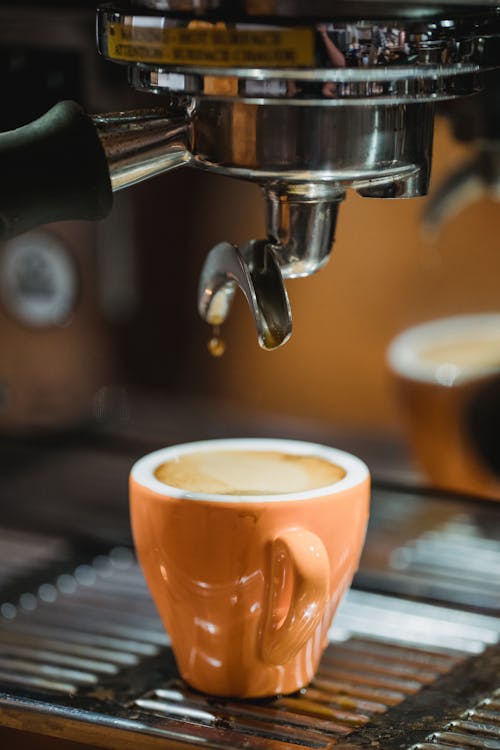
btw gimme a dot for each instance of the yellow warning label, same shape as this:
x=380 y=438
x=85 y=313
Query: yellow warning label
x=213 y=47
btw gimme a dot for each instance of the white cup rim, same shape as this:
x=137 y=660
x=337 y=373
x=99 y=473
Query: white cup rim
x=403 y=353
x=356 y=470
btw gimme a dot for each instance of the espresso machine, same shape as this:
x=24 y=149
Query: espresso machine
x=264 y=92
x=305 y=99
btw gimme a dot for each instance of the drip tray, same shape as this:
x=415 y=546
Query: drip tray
x=84 y=656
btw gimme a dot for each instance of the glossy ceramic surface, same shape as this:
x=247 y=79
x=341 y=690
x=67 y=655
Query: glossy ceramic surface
x=247 y=588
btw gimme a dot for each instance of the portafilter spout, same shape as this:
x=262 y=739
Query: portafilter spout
x=301 y=220
x=255 y=270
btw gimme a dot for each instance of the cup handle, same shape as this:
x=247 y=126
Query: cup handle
x=298 y=594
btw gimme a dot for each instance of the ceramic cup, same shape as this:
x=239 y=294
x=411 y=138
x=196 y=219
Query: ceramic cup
x=247 y=586
x=447 y=378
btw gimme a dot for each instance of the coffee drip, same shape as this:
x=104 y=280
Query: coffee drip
x=216 y=345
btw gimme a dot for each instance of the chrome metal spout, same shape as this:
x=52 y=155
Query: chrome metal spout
x=255 y=270
x=143 y=143
x=301 y=221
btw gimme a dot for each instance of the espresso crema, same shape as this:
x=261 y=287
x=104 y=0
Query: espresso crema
x=247 y=472
x=481 y=353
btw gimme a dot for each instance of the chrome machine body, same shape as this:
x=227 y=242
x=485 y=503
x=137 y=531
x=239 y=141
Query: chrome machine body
x=306 y=99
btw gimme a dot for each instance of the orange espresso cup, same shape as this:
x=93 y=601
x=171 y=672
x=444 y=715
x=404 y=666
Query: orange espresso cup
x=247 y=586
x=446 y=374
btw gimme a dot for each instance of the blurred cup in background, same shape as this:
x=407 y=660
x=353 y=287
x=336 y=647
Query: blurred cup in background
x=447 y=379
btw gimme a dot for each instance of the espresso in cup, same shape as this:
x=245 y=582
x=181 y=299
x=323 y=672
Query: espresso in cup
x=247 y=547
x=243 y=473
x=447 y=377
x=467 y=354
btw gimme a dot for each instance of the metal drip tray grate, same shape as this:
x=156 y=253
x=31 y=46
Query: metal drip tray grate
x=478 y=727
x=87 y=650
x=356 y=680
x=418 y=548
x=84 y=626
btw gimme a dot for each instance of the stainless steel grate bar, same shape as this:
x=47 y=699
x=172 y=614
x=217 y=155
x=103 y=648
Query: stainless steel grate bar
x=37 y=642
x=418 y=549
x=474 y=727
x=372 y=679
x=392 y=653
x=462 y=740
x=86 y=637
x=378 y=616
x=71 y=620
x=72 y=676
x=52 y=657
x=243 y=725
x=368 y=664
x=280 y=709
x=483 y=715
x=326 y=703
x=478 y=727
x=11 y=678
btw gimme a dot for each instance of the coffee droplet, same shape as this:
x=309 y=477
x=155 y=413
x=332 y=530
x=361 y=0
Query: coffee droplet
x=216 y=345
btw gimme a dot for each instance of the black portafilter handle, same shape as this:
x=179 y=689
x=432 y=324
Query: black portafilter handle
x=52 y=169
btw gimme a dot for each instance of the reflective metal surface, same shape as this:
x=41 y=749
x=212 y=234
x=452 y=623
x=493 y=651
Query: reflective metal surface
x=302 y=88
x=300 y=223
x=352 y=146
x=323 y=8
x=142 y=144
x=341 y=94
x=407 y=553
x=479 y=726
x=343 y=146
x=73 y=632
x=305 y=158
x=243 y=58
x=255 y=270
